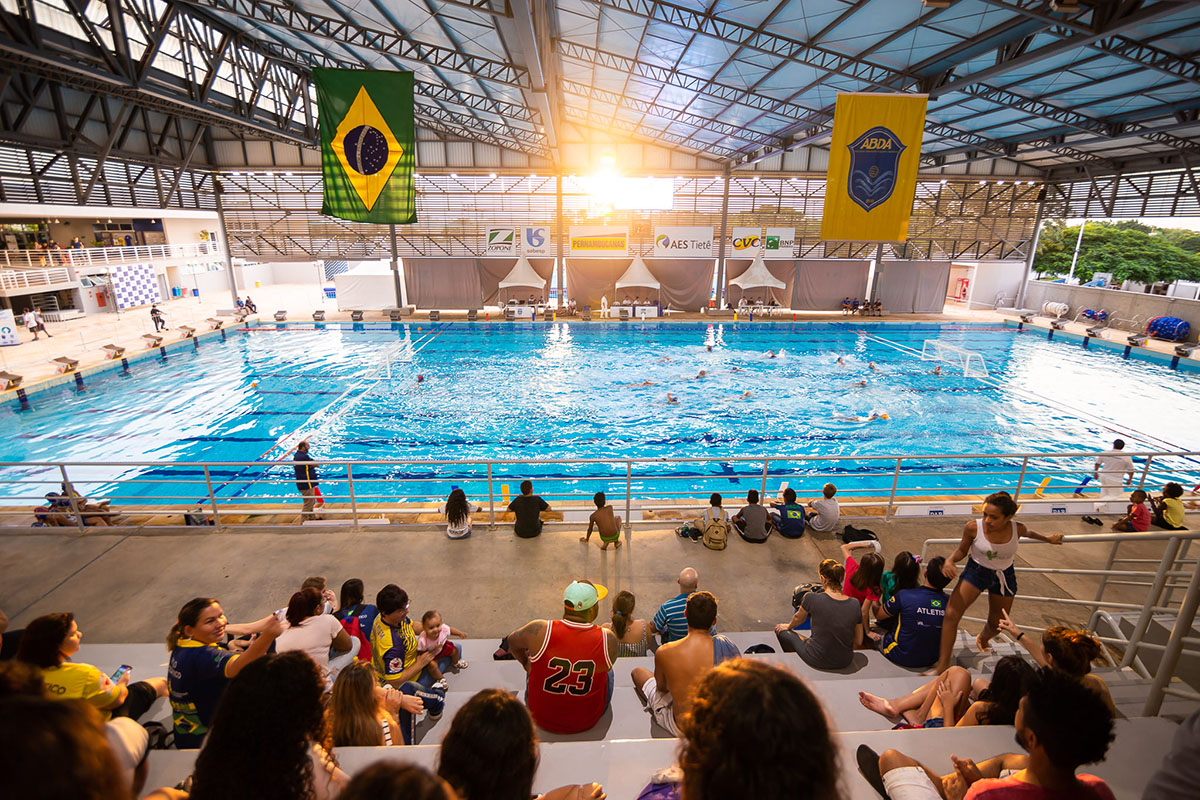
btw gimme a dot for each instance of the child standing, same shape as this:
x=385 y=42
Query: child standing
x=1137 y=516
x=435 y=638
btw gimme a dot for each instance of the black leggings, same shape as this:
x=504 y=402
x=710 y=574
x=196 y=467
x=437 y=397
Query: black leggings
x=141 y=696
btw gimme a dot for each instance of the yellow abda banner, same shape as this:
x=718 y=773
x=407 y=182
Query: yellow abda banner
x=873 y=163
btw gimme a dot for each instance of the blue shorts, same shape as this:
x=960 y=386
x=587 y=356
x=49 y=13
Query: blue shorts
x=988 y=580
x=935 y=722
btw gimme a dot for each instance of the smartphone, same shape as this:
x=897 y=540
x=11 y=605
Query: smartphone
x=121 y=672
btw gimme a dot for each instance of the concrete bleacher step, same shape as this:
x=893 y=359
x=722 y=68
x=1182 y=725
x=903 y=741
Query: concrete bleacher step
x=624 y=766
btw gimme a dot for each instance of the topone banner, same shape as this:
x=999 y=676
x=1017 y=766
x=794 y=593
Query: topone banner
x=501 y=241
x=683 y=242
x=598 y=241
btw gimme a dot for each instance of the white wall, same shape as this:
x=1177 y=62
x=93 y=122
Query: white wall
x=249 y=274
x=296 y=272
x=187 y=231
x=992 y=277
x=208 y=282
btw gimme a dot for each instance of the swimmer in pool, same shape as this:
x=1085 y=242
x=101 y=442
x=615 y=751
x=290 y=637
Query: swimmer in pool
x=840 y=362
x=708 y=347
x=862 y=382
x=937 y=370
x=770 y=354
x=872 y=367
x=745 y=395
x=874 y=415
x=672 y=400
x=701 y=374
x=640 y=385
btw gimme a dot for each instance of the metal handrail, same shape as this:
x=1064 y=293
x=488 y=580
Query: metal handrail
x=1157 y=601
x=94 y=256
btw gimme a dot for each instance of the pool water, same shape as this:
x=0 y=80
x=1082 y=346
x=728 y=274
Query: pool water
x=558 y=390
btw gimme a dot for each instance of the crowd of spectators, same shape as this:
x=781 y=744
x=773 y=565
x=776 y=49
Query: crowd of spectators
x=269 y=702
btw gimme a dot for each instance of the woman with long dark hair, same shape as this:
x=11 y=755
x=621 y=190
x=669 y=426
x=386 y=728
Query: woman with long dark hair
x=945 y=701
x=361 y=714
x=200 y=666
x=51 y=640
x=757 y=731
x=989 y=544
x=458 y=513
x=632 y=634
x=491 y=752
x=1066 y=649
x=268 y=738
x=310 y=631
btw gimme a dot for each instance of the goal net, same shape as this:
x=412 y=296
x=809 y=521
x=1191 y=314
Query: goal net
x=970 y=362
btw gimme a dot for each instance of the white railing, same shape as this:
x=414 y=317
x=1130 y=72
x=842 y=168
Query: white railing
x=34 y=278
x=1160 y=576
x=883 y=486
x=101 y=256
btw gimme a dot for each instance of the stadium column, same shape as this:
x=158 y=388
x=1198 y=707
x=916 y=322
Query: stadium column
x=1033 y=243
x=397 y=278
x=873 y=272
x=560 y=260
x=233 y=290
x=721 y=241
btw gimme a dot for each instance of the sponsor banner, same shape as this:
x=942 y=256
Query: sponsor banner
x=746 y=242
x=535 y=240
x=8 y=328
x=779 y=243
x=673 y=240
x=873 y=161
x=598 y=241
x=500 y=242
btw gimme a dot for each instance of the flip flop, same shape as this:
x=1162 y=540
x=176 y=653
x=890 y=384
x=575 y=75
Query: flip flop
x=1095 y=521
x=868 y=767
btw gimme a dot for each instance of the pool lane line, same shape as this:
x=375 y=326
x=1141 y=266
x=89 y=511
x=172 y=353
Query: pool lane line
x=1079 y=413
x=288 y=437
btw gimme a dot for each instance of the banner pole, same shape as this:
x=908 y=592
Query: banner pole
x=721 y=241
x=561 y=260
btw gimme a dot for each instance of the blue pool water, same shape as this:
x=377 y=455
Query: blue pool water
x=523 y=391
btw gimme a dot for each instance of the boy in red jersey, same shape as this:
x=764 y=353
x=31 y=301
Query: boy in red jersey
x=569 y=662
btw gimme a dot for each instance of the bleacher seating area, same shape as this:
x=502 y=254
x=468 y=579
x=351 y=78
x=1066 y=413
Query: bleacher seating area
x=626 y=747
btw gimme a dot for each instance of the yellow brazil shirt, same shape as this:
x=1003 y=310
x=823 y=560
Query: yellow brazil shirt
x=81 y=682
x=393 y=649
x=1173 y=511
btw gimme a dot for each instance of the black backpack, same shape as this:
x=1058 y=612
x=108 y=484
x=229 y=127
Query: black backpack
x=853 y=534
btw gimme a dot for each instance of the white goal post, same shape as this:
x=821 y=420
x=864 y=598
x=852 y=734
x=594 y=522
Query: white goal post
x=970 y=362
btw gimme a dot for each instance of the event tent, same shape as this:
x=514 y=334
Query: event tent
x=638 y=275
x=523 y=276
x=757 y=277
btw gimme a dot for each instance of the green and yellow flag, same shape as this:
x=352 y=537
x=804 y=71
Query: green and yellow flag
x=873 y=162
x=368 y=148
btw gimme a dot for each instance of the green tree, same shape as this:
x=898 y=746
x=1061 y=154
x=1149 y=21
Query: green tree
x=1123 y=249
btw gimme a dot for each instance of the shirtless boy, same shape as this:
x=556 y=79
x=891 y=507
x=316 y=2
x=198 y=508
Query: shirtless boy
x=605 y=522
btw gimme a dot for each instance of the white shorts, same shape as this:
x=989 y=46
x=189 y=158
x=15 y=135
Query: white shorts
x=910 y=783
x=662 y=706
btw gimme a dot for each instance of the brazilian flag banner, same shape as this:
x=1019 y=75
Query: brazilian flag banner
x=873 y=163
x=368 y=148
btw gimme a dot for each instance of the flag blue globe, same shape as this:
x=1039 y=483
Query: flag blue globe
x=366 y=150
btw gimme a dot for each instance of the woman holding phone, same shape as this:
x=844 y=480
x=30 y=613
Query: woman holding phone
x=50 y=641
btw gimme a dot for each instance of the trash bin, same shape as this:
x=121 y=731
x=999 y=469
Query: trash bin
x=195 y=292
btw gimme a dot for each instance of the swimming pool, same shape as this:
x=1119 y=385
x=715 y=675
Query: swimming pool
x=519 y=391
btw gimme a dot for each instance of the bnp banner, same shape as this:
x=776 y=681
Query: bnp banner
x=873 y=163
x=596 y=241
x=500 y=242
x=8 y=328
x=368 y=152
x=779 y=243
x=746 y=242
x=535 y=240
x=683 y=242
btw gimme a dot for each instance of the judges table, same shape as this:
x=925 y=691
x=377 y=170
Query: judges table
x=638 y=311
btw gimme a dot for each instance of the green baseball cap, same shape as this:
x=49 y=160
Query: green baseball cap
x=582 y=595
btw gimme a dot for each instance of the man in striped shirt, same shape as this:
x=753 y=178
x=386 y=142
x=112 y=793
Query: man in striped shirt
x=670 y=621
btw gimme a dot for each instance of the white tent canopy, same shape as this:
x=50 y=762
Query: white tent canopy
x=523 y=274
x=758 y=276
x=637 y=275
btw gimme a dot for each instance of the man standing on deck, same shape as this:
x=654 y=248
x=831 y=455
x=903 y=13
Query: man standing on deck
x=306 y=480
x=1114 y=470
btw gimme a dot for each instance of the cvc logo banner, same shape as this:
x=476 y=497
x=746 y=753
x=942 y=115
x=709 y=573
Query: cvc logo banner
x=683 y=242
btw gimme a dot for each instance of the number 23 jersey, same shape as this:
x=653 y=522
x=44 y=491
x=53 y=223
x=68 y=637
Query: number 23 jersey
x=568 y=677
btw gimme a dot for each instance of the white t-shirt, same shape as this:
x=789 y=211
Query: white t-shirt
x=1113 y=465
x=711 y=513
x=826 y=518
x=313 y=636
x=463 y=530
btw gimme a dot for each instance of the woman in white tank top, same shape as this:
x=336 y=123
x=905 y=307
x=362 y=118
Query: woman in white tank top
x=989 y=544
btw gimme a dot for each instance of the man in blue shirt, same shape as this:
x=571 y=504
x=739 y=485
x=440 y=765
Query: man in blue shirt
x=916 y=640
x=670 y=621
x=789 y=521
x=306 y=480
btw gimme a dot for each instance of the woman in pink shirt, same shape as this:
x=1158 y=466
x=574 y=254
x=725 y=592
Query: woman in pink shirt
x=863 y=578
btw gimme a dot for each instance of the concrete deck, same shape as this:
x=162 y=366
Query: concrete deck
x=128 y=588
